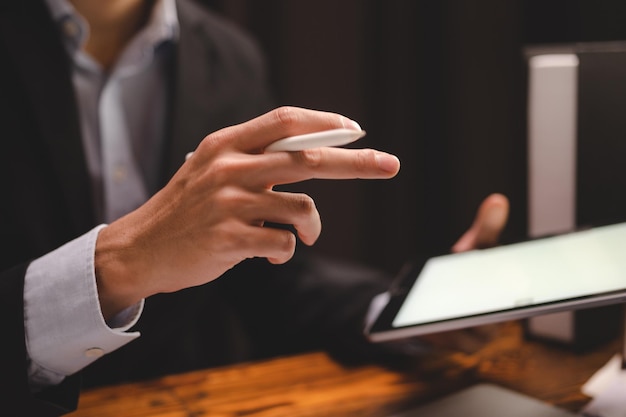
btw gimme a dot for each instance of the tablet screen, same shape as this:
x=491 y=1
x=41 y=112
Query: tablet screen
x=523 y=279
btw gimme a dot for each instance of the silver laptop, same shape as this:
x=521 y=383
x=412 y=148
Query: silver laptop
x=486 y=400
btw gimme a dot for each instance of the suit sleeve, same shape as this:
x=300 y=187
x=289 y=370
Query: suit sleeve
x=13 y=376
x=312 y=303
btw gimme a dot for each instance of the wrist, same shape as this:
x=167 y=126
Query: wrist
x=118 y=275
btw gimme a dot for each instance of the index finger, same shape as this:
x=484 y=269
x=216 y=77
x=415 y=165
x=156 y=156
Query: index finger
x=255 y=135
x=324 y=163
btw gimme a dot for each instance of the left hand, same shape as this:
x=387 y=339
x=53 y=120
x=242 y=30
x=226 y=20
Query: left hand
x=484 y=232
x=488 y=224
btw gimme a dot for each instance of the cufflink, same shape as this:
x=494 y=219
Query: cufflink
x=94 y=352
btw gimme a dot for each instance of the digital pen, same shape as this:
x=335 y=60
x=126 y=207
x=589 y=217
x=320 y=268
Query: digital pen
x=333 y=137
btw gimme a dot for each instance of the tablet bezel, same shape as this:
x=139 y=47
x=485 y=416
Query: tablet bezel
x=381 y=329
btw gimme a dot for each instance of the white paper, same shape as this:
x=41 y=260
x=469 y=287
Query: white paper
x=607 y=387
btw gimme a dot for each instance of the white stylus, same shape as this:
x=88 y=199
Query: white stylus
x=333 y=137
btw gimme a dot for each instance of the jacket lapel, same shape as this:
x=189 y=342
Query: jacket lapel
x=42 y=61
x=191 y=78
x=217 y=81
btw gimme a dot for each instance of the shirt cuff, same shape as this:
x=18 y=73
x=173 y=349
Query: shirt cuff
x=65 y=329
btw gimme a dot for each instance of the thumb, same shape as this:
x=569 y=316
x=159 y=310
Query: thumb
x=488 y=224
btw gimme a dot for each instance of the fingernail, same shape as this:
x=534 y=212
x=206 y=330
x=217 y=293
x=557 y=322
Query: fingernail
x=354 y=124
x=387 y=163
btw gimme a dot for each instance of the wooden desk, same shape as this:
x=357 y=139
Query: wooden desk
x=313 y=385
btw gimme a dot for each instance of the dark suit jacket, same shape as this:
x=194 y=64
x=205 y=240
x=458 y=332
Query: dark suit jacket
x=256 y=310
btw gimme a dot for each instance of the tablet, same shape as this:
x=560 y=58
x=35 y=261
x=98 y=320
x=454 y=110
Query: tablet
x=576 y=270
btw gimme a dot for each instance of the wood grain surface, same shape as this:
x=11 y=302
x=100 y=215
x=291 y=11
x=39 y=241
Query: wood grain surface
x=314 y=385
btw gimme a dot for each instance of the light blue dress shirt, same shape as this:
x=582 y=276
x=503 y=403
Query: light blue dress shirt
x=122 y=114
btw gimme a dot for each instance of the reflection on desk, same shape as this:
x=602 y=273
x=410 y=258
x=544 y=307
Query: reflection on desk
x=314 y=385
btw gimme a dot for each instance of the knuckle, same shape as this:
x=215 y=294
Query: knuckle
x=286 y=116
x=220 y=171
x=303 y=204
x=227 y=169
x=230 y=236
x=310 y=158
x=212 y=141
x=288 y=245
x=283 y=247
x=365 y=160
x=230 y=199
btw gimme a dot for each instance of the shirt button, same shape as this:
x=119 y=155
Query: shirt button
x=119 y=174
x=70 y=28
x=94 y=352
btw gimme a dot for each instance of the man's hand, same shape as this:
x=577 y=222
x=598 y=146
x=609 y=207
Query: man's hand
x=488 y=224
x=210 y=216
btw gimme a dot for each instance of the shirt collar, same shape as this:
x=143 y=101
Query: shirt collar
x=164 y=21
x=162 y=25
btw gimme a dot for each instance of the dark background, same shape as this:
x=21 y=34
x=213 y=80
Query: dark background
x=439 y=83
